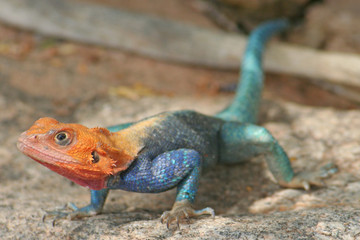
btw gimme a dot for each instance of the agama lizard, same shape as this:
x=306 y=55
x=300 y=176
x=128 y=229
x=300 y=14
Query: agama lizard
x=166 y=150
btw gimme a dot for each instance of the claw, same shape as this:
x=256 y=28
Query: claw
x=186 y=214
x=57 y=218
x=164 y=216
x=43 y=217
x=178 y=222
x=187 y=217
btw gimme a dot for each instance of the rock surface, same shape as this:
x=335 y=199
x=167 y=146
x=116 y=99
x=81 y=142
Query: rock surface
x=248 y=204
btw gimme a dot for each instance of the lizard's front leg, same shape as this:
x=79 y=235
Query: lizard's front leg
x=95 y=207
x=178 y=168
x=186 y=192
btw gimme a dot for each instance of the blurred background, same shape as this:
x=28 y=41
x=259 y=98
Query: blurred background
x=53 y=74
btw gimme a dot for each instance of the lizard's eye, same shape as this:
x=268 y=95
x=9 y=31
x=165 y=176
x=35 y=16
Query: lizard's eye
x=95 y=157
x=62 y=138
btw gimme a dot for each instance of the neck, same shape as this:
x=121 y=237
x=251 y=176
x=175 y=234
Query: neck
x=129 y=145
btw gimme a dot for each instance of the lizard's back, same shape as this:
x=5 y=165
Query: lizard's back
x=181 y=129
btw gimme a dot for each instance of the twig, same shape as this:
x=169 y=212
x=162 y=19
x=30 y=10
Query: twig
x=170 y=40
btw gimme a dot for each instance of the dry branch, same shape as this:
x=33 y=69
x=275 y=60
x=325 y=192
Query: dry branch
x=169 y=40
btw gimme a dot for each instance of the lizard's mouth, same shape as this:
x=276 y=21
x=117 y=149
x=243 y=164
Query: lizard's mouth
x=65 y=166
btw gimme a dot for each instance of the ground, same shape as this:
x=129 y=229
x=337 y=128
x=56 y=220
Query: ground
x=98 y=87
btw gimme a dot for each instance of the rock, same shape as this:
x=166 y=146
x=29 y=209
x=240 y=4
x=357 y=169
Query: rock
x=248 y=205
x=331 y=26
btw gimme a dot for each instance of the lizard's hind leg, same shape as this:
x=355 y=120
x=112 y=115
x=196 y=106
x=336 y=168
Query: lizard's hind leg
x=239 y=142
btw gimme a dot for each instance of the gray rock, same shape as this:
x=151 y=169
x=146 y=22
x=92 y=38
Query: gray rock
x=248 y=205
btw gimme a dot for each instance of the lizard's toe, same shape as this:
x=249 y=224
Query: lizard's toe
x=307 y=179
x=69 y=212
x=328 y=170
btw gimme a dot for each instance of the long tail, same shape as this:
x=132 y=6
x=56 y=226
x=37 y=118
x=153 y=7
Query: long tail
x=246 y=103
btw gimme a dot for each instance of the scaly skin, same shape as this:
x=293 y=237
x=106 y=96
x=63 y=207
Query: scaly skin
x=167 y=150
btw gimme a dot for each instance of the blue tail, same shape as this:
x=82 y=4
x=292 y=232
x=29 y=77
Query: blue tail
x=246 y=103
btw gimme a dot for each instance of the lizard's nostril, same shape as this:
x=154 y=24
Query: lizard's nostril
x=35 y=137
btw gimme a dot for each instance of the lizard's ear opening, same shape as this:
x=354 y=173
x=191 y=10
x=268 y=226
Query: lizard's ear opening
x=121 y=161
x=95 y=157
x=111 y=160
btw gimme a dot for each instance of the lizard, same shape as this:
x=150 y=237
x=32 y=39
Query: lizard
x=169 y=149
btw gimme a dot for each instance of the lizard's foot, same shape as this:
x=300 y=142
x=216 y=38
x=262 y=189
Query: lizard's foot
x=306 y=179
x=70 y=212
x=183 y=210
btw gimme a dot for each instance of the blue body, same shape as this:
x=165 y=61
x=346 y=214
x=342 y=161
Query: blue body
x=180 y=144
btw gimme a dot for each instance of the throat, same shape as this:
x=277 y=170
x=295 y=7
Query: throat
x=92 y=183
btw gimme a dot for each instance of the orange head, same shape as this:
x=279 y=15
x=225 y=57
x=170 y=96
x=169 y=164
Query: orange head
x=84 y=155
